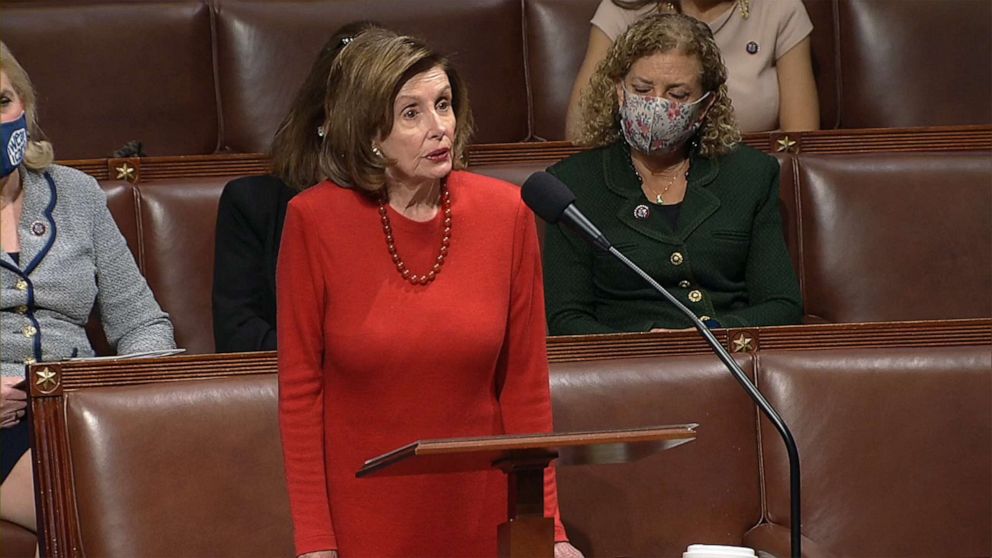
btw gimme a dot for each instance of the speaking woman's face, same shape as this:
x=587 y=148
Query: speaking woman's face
x=423 y=130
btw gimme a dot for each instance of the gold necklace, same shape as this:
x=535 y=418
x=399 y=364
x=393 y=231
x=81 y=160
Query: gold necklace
x=659 y=196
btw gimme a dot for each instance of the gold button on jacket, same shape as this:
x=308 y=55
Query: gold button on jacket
x=695 y=296
x=676 y=258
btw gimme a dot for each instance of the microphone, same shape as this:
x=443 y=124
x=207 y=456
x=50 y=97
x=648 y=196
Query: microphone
x=553 y=202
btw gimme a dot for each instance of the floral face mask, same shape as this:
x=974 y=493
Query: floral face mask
x=656 y=124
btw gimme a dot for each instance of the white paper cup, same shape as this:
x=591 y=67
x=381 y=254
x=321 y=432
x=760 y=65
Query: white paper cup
x=718 y=551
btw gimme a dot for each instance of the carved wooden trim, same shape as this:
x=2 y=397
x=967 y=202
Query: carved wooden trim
x=892 y=140
x=126 y=372
x=872 y=140
x=127 y=169
x=58 y=526
x=937 y=333
x=942 y=333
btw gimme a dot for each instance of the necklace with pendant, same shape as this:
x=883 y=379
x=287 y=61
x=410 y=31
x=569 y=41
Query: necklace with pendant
x=681 y=168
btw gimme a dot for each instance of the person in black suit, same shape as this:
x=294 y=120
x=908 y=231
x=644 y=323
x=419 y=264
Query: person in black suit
x=252 y=209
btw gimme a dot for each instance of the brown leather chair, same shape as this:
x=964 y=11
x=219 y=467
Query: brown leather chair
x=197 y=77
x=557 y=33
x=178 y=221
x=859 y=228
x=895 y=236
x=110 y=72
x=256 y=83
x=918 y=63
x=706 y=491
x=179 y=469
x=823 y=50
x=16 y=541
x=180 y=456
x=896 y=449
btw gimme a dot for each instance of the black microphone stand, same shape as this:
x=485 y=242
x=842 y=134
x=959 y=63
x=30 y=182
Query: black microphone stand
x=763 y=404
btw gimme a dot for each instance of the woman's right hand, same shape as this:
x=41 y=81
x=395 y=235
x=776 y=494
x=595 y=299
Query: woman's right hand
x=13 y=401
x=320 y=554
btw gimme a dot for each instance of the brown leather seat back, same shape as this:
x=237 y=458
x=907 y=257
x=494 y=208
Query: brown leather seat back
x=122 y=200
x=916 y=63
x=896 y=236
x=823 y=51
x=178 y=225
x=704 y=491
x=514 y=173
x=788 y=206
x=895 y=445
x=17 y=542
x=482 y=37
x=180 y=469
x=557 y=36
x=109 y=73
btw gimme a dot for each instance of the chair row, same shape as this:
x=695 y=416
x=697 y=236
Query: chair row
x=873 y=237
x=894 y=430
x=205 y=76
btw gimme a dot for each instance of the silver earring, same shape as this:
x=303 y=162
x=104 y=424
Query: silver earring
x=320 y=131
x=377 y=151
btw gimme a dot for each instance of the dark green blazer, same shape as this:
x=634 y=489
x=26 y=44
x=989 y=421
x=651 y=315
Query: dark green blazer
x=726 y=259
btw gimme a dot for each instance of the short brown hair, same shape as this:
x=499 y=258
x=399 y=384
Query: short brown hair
x=295 y=147
x=39 y=153
x=361 y=88
x=659 y=33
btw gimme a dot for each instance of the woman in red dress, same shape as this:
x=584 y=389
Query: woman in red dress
x=410 y=306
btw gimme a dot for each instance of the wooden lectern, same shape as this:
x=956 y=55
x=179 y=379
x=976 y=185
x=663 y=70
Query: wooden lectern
x=527 y=533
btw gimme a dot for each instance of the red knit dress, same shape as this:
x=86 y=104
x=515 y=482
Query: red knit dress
x=369 y=362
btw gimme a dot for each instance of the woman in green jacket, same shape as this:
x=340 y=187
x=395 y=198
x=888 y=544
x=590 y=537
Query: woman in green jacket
x=671 y=186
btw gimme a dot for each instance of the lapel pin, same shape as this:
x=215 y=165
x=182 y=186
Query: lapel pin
x=752 y=48
x=38 y=228
x=642 y=212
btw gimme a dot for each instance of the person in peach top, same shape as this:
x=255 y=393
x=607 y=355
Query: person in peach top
x=765 y=45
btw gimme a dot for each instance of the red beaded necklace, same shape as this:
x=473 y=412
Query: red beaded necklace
x=387 y=228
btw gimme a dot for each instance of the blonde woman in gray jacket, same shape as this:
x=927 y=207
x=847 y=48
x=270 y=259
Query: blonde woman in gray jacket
x=62 y=255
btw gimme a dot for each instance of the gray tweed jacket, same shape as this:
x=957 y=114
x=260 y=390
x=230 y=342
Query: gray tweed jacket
x=72 y=257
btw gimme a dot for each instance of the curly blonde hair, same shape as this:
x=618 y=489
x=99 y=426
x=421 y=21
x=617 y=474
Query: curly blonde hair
x=659 y=33
x=39 y=153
